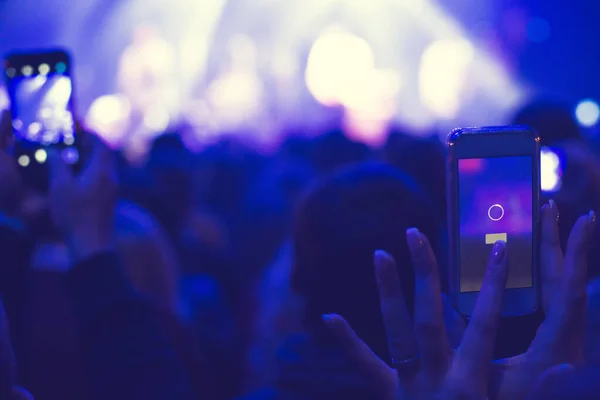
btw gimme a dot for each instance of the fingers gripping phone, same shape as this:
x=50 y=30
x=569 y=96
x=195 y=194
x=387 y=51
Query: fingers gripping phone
x=40 y=89
x=493 y=194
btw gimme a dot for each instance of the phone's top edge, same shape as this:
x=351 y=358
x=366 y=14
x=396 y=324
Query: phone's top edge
x=456 y=133
x=33 y=52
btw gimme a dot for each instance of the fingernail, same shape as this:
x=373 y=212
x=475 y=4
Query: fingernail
x=498 y=252
x=554 y=208
x=414 y=238
x=381 y=256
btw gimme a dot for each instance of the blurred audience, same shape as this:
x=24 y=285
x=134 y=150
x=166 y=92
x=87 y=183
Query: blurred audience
x=553 y=121
x=308 y=273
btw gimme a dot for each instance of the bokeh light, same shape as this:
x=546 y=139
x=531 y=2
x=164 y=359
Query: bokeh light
x=27 y=70
x=41 y=156
x=587 y=113
x=44 y=69
x=23 y=160
x=339 y=65
x=108 y=116
x=550 y=170
x=444 y=68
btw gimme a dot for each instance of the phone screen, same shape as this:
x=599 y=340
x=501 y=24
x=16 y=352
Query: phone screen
x=495 y=203
x=41 y=96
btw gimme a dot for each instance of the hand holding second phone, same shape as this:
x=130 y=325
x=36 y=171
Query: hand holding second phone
x=83 y=205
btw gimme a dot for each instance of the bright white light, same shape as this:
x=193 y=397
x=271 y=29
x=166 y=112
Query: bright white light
x=550 y=170
x=59 y=94
x=69 y=140
x=23 y=160
x=4 y=100
x=443 y=70
x=27 y=70
x=587 y=113
x=46 y=113
x=156 y=120
x=108 y=116
x=50 y=136
x=108 y=109
x=44 y=69
x=337 y=66
x=34 y=128
x=41 y=156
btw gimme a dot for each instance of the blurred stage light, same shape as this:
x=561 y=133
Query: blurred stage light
x=374 y=66
x=538 y=30
x=338 y=64
x=10 y=72
x=108 y=116
x=444 y=68
x=550 y=170
x=587 y=113
x=45 y=113
x=157 y=120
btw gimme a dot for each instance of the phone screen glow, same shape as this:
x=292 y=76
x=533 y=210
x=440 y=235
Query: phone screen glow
x=41 y=109
x=495 y=203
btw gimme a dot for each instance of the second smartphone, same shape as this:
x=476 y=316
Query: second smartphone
x=494 y=194
x=40 y=88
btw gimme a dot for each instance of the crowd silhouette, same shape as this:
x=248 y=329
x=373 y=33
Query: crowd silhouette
x=317 y=272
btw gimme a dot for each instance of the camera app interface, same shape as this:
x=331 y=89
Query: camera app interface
x=496 y=203
x=41 y=109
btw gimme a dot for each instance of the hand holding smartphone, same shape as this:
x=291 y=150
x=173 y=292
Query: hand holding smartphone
x=493 y=194
x=40 y=89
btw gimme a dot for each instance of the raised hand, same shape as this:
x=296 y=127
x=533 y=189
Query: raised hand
x=426 y=367
x=83 y=206
x=560 y=338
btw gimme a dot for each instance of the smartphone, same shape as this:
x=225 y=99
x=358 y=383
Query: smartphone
x=494 y=194
x=40 y=90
